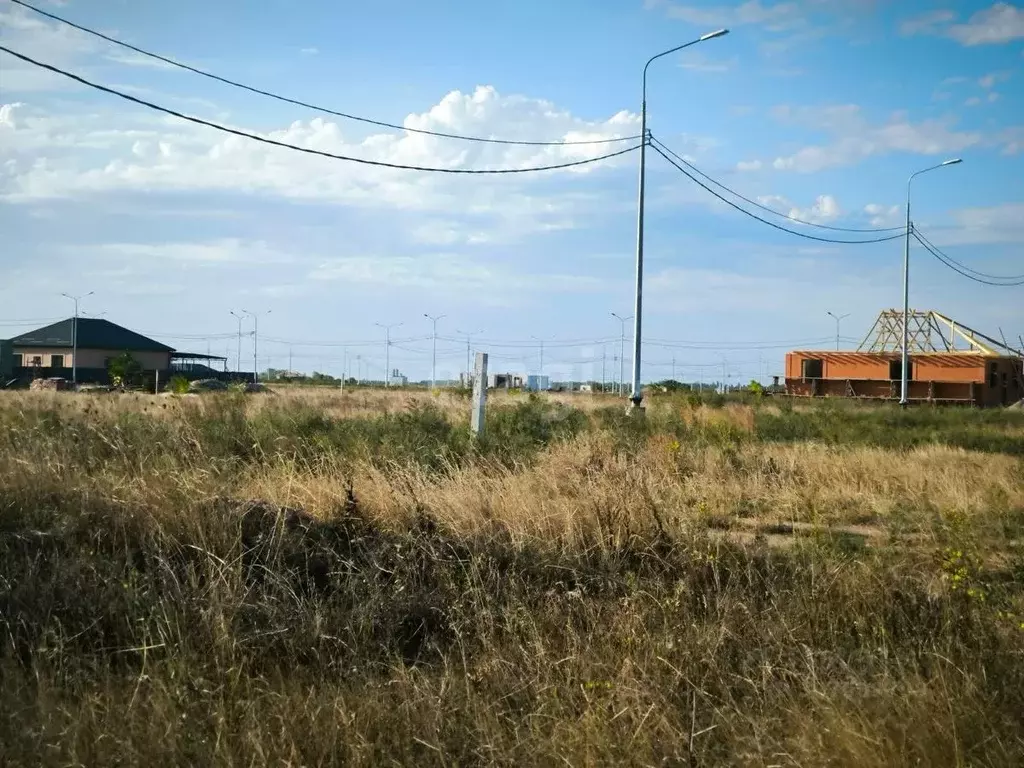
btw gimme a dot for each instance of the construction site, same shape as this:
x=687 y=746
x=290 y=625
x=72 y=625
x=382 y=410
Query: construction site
x=949 y=362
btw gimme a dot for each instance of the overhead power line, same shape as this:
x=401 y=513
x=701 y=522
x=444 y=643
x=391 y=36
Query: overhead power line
x=306 y=150
x=929 y=244
x=754 y=216
x=314 y=107
x=772 y=211
x=941 y=257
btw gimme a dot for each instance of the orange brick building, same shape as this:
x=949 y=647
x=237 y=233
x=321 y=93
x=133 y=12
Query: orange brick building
x=985 y=373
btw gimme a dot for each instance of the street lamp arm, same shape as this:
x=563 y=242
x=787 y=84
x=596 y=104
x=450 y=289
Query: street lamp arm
x=701 y=39
x=943 y=164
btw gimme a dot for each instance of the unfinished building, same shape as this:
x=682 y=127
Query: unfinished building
x=949 y=363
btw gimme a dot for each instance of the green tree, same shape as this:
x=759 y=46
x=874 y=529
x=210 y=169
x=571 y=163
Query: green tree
x=124 y=370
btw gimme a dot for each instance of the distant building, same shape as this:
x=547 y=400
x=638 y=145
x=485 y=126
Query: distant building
x=538 y=383
x=510 y=381
x=52 y=352
x=98 y=342
x=504 y=381
x=949 y=362
x=396 y=379
x=6 y=362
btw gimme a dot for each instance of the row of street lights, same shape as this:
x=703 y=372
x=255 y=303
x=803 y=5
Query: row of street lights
x=255 y=339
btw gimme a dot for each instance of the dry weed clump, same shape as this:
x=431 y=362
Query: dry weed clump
x=318 y=579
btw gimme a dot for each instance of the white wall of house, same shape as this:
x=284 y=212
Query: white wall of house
x=91 y=358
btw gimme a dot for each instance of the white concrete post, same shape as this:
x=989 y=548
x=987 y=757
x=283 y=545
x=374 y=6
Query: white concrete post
x=476 y=422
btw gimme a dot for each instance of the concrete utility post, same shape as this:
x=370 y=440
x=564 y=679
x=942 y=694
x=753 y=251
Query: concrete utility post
x=905 y=355
x=622 y=351
x=636 y=397
x=255 y=342
x=838 y=319
x=476 y=419
x=74 y=335
x=433 y=363
x=387 y=350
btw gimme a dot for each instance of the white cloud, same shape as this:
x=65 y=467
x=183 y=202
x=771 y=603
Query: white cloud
x=793 y=281
x=1012 y=140
x=775 y=17
x=7 y=112
x=309 y=51
x=133 y=59
x=448 y=274
x=55 y=44
x=1002 y=223
x=927 y=23
x=824 y=209
x=855 y=139
x=1000 y=23
x=695 y=61
x=219 y=251
x=883 y=216
x=749 y=165
x=144 y=153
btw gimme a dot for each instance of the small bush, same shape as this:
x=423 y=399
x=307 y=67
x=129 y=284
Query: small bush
x=178 y=385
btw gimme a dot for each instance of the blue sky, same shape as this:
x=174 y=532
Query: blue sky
x=818 y=108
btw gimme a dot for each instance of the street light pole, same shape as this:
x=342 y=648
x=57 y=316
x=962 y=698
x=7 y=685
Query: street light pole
x=433 y=362
x=638 y=304
x=905 y=356
x=622 y=350
x=387 y=350
x=238 y=357
x=540 y=378
x=255 y=342
x=468 y=334
x=838 y=319
x=74 y=335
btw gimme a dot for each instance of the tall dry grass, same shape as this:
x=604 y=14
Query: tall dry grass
x=737 y=584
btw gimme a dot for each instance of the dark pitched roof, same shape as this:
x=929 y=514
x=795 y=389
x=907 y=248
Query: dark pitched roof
x=93 y=333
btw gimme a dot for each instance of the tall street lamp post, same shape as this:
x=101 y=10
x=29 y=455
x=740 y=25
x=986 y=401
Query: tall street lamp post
x=238 y=357
x=838 y=319
x=255 y=342
x=636 y=397
x=433 y=361
x=905 y=357
x=387 y=350
x=622 y=350
x=74 y=335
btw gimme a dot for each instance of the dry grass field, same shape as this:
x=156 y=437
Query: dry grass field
x=317 y=579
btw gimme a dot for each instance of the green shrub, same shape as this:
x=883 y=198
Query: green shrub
x=178 y=384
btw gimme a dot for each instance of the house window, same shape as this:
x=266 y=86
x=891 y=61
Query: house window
x=37 y=361
x=56 y=361
x=19 y=361
x=812 y=368
x=993 y=375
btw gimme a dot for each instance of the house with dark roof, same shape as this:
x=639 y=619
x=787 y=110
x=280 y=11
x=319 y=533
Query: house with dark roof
x=98 y=342
x=83 y=347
